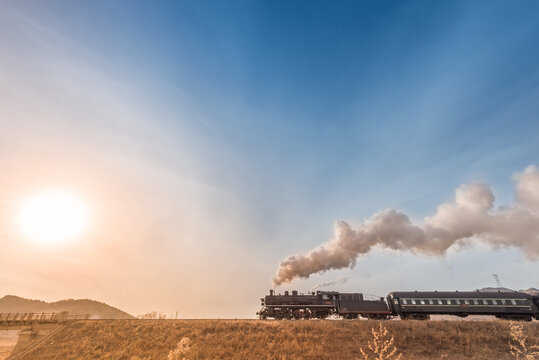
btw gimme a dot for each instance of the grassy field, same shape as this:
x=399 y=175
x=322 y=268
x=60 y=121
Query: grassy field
x=253 y=339
x=8 y=339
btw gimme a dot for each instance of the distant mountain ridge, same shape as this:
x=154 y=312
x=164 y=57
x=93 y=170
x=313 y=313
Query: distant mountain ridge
x=531 y=291
x=96 y=309
x=494 y=289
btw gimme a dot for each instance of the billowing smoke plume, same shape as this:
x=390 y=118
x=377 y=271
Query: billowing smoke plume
x=471 y=214
x=331 y=283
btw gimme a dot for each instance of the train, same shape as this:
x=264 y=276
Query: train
x=416 y=305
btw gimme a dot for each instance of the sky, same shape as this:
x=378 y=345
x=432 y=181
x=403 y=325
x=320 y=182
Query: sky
x=211 y=140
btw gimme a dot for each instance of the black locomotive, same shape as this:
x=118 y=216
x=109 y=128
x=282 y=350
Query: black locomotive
x=320 y=305
x=417 y=305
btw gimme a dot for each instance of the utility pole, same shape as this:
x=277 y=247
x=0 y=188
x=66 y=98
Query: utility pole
x=497 y=280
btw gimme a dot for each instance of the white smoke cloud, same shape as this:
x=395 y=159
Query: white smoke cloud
x=471 y=214
x=527 y=189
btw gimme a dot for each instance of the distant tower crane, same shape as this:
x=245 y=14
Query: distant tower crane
x=497 y=280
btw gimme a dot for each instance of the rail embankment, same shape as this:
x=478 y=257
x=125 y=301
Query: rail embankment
x=255 y=339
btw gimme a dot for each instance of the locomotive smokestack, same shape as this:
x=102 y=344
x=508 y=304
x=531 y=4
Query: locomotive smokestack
x=470 y=214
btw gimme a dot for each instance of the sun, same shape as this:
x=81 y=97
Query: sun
x=53 y=216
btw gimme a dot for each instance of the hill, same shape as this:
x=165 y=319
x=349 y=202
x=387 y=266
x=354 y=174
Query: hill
x=531 y=291
x=96 y=309
x=494 y=289
x=256 y=339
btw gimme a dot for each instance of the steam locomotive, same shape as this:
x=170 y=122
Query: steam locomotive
x=418 y=305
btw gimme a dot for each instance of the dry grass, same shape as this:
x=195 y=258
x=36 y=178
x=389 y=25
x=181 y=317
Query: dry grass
x=520 y=346
x=8 y=339
x=255 y=339
x=5 y=351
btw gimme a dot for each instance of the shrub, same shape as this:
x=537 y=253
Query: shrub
x=182 y=349
x=519 y=346
x=382 y=346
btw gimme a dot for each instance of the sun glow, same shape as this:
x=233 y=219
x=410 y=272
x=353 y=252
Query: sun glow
x=51 y=217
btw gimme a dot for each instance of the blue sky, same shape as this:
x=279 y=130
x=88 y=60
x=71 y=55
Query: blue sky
x=240 y=131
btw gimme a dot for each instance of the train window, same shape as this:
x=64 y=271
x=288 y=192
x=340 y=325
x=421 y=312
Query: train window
x=480 y=302
x=444 y=301
x=521 y=302
x=453 y=302
x=324 y=297
x=417 y=302
x=356 y=297
x=471 y=302
x=489 y=302
x=499 y=302
x=435 y=302
x=409 y=301
x=395 y=301
x=508 y=302
x=462 y=302
x=423 y=301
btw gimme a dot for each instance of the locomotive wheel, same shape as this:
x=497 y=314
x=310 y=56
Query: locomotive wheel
x=289 y=315
x=321 y=315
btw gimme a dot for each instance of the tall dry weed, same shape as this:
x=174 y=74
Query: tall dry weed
x=520 y=349
x=154 y=315
x=382 y=346
x=181 y=350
